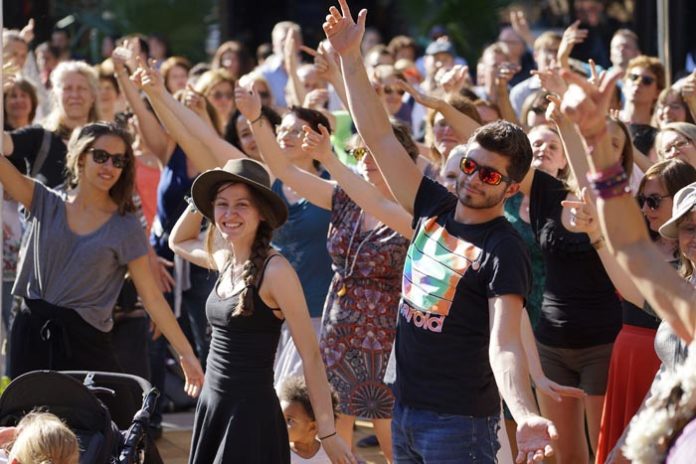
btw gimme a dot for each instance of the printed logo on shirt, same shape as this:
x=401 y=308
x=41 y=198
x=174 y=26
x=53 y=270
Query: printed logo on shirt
x=435 y=263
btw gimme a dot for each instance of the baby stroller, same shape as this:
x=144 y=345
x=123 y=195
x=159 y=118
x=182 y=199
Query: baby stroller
x=85 y=402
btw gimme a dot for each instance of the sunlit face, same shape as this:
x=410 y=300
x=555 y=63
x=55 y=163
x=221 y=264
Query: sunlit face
x=289 y=135
x=450 y=172
x=301 y=427
x=445 y=137
x=472 y=191
x=221 y=96
x=547 y=150
x=640 y=85
x=654 y=188
x=545 y=56
x=367 y=166
x=672 y=144
x=17 y=51
x=310 y=79
x=622 y=50
x=512 y=42
x=76 y=95
x=176 y=79
x=246 y=138
x=236 y=216
x=687 y=236
x=392 y=97
x=671 y=109
x=18 y=104
x=105 y=175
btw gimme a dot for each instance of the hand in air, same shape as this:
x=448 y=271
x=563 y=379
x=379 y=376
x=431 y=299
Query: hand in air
x=342 y=31
x=583 y=214
x=248 y=102
x=317 y=144
x=148 y=78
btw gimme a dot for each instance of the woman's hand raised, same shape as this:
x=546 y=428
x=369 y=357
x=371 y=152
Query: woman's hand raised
x=317 y=144
x=248 y=102
x=344 y=34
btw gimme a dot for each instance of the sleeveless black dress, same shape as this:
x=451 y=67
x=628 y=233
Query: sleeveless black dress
x=238 y=416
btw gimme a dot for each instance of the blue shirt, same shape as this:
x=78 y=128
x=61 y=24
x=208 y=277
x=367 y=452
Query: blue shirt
x=302 y=240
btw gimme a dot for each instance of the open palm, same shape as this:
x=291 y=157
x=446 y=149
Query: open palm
x=344 y=34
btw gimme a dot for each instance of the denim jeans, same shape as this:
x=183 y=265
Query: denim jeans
x=425 y=437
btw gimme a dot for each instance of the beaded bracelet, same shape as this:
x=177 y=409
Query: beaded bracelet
x=611 y=182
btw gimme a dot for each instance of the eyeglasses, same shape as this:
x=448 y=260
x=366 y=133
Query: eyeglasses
x=677 y=145
x=358 y=153
x=653 y=201
x=219 y=95
x=289 y=131
x=264 y=94
x=102 y=156
x=639 y=78
x=487 y=175
x=388 y=90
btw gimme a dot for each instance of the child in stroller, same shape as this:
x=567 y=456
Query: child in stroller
x=76 y=398
x=39 y=437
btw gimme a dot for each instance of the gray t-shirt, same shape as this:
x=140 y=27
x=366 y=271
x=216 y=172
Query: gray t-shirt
x=81 y=272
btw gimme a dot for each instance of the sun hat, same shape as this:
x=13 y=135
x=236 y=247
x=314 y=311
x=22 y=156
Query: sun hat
x=244 y=170
x=684 y=201
x=440 y=46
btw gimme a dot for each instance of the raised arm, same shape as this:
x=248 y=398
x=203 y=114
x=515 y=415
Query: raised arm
x=370 y=118
x=364 y=194
x=313 y=188
x=185 y=241
x=153 y=133
x=462 y=124
x=294 y=89
x=329 y=69
x=285 y=291
x=501 y=97
x=199 y=140
x=622 y=223
x=18 y=186
x=571 y=36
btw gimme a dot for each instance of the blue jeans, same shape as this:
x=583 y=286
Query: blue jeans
x=425 y=437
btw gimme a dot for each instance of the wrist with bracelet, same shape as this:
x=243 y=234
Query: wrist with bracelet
x=254 y=121
x=327 y=436
x=611 y=182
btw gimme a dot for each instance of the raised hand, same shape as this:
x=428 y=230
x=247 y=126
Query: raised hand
x=193 y=373
x=326 y=62
x=148 y=78
x=571 y=36
x=317 y=144
x=316 y=99
x=120 y=56
x=587 y=105
x=535 y=437
x=454 y=79
x=505 y=73
x=583 y=214
x=420 y=97
x=551 y=80
x=553 y=111
x=344 y=34
x=248 y=102
x=519 y=24
x=27 y=32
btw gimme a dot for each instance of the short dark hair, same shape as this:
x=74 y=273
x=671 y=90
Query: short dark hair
x=231 y=134
x=509 y=141
x=294 y=388
x=312 y=117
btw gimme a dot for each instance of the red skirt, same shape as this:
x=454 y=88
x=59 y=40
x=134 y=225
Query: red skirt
x=631 y=372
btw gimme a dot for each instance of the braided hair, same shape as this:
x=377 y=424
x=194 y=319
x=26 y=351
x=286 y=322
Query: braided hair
x=252 y=269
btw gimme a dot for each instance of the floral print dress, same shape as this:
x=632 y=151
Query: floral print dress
x=360 y=314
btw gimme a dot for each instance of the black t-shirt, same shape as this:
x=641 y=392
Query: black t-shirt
x=580 y=307
x=27 y=142
x=643 y=137
x=442 y=337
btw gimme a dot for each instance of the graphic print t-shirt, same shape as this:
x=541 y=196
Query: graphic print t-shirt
x=451 y=271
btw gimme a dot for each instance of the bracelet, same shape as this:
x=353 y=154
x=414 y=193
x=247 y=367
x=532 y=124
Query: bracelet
x=327 y=436
x=611 y=182
x=257 y=119
x=599 y=243
x=192 y=205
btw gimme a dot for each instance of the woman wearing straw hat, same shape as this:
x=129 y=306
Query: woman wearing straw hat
x=238 y=418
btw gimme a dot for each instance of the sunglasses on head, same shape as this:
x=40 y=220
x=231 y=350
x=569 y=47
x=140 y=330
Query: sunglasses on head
x=358 y=153
x=487 y=175
x=653 y=201
x=645 y=80
x=102 y=156
x=388 y=90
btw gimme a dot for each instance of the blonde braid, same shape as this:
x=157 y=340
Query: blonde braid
x=251 y=269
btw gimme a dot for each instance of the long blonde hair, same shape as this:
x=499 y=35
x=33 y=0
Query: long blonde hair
x=42 y=438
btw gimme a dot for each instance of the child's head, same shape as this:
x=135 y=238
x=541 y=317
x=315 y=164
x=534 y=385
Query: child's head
x=43 y=438
x=297 y=409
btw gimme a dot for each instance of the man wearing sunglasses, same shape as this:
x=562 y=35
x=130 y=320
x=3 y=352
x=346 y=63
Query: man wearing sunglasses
x=464 y=284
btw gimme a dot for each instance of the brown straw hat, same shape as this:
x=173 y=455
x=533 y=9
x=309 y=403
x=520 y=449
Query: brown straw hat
x=244 y=170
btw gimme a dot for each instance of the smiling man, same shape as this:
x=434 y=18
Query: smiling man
x=464 y=283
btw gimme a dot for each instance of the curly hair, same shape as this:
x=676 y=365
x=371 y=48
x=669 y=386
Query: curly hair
x=294 y=389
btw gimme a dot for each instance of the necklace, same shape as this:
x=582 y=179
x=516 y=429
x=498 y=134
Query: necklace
x=343 y=290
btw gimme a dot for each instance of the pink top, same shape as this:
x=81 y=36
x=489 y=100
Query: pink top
x=683 y=450
x=146 y=181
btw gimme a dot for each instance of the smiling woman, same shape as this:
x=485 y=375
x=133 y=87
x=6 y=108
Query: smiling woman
x=68 y=291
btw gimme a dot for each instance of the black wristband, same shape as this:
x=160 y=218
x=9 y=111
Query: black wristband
x=327 y=436
x=257 y=119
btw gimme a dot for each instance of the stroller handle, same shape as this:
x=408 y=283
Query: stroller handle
x=133 y=437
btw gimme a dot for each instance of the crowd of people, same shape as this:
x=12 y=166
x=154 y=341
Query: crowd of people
x=494 y=266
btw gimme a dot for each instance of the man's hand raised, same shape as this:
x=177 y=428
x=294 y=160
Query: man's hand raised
x=342 y=31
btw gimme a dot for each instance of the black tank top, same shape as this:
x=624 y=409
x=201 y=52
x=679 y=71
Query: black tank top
x=242 y=348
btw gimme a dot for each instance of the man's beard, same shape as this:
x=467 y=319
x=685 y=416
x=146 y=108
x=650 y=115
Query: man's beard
x=482 y=202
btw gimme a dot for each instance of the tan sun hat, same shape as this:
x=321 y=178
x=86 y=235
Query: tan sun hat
x=244 y=170
x=684 y=201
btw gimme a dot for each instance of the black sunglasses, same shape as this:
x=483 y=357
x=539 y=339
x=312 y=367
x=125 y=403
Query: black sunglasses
x=645 y=80
x=388 y=90
x=653 y=201
x=102 y=156
x=487 y=175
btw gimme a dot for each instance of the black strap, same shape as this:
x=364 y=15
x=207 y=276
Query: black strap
x=42 y=154
x=263 y=269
